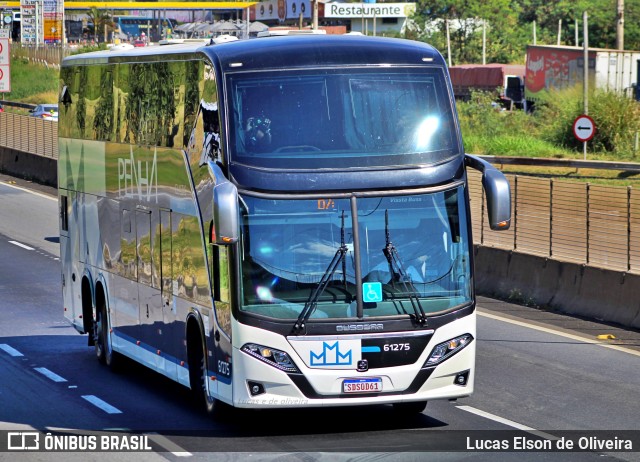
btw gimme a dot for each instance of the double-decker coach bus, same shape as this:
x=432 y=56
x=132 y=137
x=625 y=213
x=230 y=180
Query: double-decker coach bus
x=273 y=222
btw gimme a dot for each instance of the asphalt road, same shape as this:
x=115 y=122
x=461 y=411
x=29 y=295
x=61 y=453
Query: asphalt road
x=540 y=375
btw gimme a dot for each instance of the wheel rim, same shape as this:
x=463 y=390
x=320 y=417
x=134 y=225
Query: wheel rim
x=99 y=337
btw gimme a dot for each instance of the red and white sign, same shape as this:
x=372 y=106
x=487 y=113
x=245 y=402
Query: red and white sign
x=5 y=62
x=584 y=128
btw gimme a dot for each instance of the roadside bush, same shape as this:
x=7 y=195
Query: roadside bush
x=488 y=129
x=616 y=116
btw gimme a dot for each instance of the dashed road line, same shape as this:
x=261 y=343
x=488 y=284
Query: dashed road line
x=50 y=375
x=169 y=445
x=10 y=350
x=20 y=244
x=510 y=423
x=103 y=405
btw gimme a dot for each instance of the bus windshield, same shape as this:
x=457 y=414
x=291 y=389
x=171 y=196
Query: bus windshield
x=341 y=118
x=288 y=246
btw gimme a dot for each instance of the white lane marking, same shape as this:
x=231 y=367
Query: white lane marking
x=35 y=193
x=50 y=375
x=12 y=351
x=169 y=445
x=510 y=423
x=106 y=407
x=19 y=244
x=560 y=333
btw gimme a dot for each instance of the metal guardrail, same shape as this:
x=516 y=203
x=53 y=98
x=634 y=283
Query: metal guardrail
x=566 y=163
x=16 y=104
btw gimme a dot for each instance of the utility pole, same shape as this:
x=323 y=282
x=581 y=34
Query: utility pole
x=585 y=75
x=620 y=26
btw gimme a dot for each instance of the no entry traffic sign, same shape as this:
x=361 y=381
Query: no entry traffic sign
x=584 y=128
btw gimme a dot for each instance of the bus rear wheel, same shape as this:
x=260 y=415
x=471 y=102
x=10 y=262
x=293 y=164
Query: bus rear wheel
x=413 y=407
x=103 y=347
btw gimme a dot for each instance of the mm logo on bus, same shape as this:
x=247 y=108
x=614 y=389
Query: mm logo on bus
x=137 y=178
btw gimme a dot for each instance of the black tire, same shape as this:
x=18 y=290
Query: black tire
x=102 y=339
x=413 y=407
x=198 y=381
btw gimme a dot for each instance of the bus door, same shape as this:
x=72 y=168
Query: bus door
x=164 y=253
x=124 y=292
x=149 y=296
x=173 y=332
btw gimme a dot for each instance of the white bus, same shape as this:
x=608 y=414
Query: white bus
x=281 y=221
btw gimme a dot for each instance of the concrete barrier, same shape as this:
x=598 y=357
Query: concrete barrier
x=571 y=288
x=31 y=167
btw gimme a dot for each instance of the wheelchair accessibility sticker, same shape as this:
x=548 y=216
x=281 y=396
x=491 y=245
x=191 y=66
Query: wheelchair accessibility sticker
x=371 y=292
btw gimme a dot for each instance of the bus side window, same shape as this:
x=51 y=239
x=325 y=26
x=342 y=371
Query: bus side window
x=211 y=123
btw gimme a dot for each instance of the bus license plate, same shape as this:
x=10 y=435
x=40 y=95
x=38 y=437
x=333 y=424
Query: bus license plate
x=369 y=385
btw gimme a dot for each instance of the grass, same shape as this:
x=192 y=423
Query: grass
x=32 y=83
x=507 y=145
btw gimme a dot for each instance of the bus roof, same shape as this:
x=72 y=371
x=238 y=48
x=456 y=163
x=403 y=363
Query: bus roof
x=312 y=50
x=285 y=51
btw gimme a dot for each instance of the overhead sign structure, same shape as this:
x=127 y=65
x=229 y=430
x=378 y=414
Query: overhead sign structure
x=5 y=61
x=584 y=128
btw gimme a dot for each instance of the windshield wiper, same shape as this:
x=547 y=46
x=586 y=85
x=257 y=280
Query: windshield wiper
x=312 y=302
x=397 y=268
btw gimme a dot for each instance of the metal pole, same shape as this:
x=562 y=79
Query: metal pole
x=629 y=188
x=315 y=14
x=585 y=76
x=534 y=32
x=551 y=217
x=374 y=22
x=620 y=26
x=448 y=43
x=484 y=41
x=577 y=33
x=559 y=30
x=588 y=220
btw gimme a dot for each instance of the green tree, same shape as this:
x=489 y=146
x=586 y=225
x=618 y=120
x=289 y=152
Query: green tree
x=102 y=21
x=504 y=39
x=601 y=21
x=509 y=26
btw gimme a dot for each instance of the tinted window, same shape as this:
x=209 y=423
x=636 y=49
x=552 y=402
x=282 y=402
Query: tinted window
x=337 y=118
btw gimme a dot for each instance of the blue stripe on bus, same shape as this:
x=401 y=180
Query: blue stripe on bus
x=371 y=349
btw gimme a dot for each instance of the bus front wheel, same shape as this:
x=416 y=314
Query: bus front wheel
x=198 y=380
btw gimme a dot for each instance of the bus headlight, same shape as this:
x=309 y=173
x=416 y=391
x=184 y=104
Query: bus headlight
x=447 y=349
x=276 y=358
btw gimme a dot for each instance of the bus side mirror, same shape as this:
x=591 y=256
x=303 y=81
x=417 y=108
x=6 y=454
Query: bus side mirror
x=224 y=229
x=497 y=190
